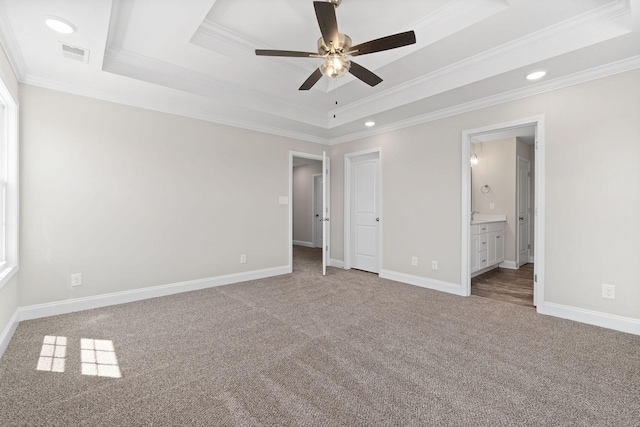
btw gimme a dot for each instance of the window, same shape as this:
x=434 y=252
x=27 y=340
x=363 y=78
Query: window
x=8 y=184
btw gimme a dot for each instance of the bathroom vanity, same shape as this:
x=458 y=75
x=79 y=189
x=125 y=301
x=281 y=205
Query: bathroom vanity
x=487 y=244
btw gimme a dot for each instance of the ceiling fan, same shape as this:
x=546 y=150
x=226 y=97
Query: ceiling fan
x=336 y=49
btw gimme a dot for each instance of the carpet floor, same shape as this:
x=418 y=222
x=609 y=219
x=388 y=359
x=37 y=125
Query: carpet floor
x=348 y=349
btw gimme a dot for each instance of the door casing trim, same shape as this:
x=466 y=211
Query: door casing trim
x=348 y=160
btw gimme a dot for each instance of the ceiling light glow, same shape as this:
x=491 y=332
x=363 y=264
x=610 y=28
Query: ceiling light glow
x=60 y=25
x=536 y=75
x=335 y=66
x=370 y=123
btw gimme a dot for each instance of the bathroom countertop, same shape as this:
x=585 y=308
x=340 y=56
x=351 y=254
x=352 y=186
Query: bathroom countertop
x=485 y=218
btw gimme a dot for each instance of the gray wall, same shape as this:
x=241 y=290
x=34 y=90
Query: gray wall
x=592 y=192
x=133 y=198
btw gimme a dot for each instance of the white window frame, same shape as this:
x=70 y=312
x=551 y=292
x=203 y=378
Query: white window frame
x=8 y=184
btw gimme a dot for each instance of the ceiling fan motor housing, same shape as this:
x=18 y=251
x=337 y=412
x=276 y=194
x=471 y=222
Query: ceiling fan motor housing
x=344 y=44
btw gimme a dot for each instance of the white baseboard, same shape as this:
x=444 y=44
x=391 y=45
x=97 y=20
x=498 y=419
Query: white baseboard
x=79 y=304
x=8 y=331
x=511 y=265
x=423 y=282
x=336 y=263
x=597 y=318
x=302 y=243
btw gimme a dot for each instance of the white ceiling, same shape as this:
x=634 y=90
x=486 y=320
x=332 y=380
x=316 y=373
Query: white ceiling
x=195 y=57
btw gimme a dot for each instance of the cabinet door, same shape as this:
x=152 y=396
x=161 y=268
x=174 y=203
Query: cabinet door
x=499 y=245
x=473 y=253
x=495 y=247
x=491 y=248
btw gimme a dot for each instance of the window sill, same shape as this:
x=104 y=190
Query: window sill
x=6 y=273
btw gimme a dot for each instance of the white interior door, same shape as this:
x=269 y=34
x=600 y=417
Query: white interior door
x=365 y=218
x=317 y=210
x=524 y=185
x=325 y=213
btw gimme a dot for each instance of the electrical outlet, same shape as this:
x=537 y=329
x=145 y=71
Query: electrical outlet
x=608 y=291
x=76 y=279
x=414 y=261
x=243 y=259
x=434 y=265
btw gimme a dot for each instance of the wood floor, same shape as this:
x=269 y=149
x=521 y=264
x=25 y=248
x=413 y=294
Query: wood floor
x=514 y=286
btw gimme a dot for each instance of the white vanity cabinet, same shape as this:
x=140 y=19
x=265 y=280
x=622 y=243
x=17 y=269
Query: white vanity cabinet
x=487 y=246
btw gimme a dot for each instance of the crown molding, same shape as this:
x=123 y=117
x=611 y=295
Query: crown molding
x=606 y=22
x=10 y=45
x=625 y=65
x=628 y=64
x=150 y=70
x=169 y=108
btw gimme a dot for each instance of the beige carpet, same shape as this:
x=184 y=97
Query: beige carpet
x=346 y=349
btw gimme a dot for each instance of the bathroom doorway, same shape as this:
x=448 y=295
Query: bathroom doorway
x=502 y=235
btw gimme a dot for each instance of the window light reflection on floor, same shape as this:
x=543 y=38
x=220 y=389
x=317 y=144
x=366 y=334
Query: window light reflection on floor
x=98 y=358
x=52 y=354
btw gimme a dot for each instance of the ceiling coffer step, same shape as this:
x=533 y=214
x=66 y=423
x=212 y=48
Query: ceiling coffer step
x=74 y=52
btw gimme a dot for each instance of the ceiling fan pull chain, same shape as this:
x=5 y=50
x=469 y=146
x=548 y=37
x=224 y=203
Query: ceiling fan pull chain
x=335 y=90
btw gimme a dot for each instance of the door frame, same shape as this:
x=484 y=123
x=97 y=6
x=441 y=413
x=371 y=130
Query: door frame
x=314 y=208
x=518 y=260
x=302 y=155
x=539 y=204
x=348 y=160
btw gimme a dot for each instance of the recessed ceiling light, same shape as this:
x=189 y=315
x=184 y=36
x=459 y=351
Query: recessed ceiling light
x=369 y=124
x=59 y=25
x=536 y=75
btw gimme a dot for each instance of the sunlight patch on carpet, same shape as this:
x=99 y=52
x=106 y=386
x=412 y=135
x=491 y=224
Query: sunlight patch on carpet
x=52 y=354
x=98 y=358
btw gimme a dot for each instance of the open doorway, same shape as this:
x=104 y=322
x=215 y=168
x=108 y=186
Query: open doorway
x=501 y=204
x=503 y=186
x=308 y=194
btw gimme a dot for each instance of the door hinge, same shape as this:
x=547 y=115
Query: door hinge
x=529 y=246
x=536 y=144
x=535 y=277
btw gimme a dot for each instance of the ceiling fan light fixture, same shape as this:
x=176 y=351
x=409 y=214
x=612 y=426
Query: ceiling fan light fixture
x=335 y=66
x=60 y=25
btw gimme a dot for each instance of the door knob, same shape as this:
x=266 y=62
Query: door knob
x=521 y=218
x=378 y=219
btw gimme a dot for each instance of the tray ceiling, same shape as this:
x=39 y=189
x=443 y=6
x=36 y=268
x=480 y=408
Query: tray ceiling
x=195 y=58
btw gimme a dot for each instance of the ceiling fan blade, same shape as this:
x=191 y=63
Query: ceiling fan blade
x=313 y=79
x=326 y=14
x=291 y=53
x=363 y=74
x=384 y=43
